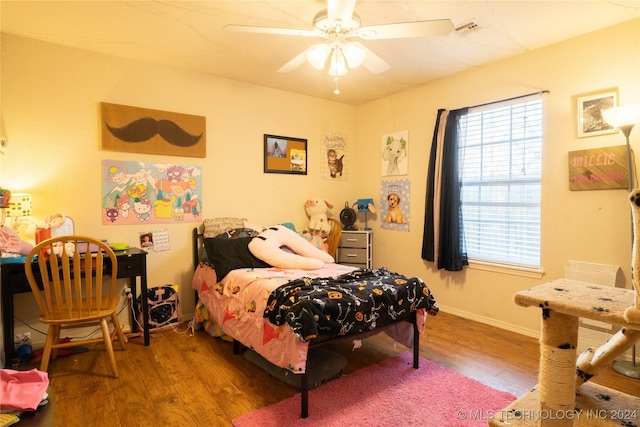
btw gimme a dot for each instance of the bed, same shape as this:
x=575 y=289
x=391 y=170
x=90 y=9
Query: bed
x=285 y=310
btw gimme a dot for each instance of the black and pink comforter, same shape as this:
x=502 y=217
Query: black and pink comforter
x=354 y=302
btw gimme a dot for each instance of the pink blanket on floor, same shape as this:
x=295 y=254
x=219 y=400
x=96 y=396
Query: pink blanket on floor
x=22 y=390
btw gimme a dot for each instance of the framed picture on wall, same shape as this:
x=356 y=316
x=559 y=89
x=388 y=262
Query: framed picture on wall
x=590 y=108
x=283 y=154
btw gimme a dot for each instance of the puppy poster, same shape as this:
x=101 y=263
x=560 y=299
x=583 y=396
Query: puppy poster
x=395 y=153
x=395 y=202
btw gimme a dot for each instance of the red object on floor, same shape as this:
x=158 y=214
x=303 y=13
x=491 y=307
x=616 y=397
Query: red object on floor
x=37 y=355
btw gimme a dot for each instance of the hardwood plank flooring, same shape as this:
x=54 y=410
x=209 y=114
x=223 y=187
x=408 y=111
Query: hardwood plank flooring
x=184 y=380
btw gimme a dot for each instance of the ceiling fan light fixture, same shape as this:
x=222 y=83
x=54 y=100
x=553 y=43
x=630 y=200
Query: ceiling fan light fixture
x=354 y=55
x=318 y=55
x=338 y=65
x=322 y=22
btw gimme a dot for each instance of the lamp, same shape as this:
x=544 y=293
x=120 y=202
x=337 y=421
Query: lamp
x=19 y=205
x=625 y=118
x=14 y=205
x=366 y=206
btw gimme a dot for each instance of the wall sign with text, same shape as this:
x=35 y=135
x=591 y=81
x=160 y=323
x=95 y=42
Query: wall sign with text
x=599 y=168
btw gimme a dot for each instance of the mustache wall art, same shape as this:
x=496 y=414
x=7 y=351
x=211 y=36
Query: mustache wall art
x=142 y=130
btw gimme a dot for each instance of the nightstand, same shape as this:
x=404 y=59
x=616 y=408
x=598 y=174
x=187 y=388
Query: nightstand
x=355 y=248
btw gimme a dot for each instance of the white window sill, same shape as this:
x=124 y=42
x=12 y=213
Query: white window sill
x=532 y=273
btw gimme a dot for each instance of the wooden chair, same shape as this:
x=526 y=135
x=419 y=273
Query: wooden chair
x=70 y=284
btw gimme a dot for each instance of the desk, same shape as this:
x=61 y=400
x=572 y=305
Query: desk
x=132 y=263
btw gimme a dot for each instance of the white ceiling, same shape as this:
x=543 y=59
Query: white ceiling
x=190 y=35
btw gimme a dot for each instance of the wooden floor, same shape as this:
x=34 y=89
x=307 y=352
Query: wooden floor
x=184 y=380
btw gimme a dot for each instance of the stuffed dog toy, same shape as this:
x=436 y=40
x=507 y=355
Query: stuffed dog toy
x=394 y=213
x=317 y=209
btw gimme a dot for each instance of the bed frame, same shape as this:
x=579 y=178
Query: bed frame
x=322 y=340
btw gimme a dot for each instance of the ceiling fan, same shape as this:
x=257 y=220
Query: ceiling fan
x=338 y=25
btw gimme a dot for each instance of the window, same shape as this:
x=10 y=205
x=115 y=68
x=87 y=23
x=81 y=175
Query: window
x=500 y=161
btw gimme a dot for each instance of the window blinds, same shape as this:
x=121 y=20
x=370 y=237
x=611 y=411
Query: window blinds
x=500 y=170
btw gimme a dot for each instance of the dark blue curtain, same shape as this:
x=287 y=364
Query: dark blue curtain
x=443 y=239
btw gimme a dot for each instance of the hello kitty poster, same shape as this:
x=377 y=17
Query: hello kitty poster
x=150 y=193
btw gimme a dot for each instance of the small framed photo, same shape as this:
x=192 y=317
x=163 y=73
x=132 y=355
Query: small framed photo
x=283 y=154
x=590 y=108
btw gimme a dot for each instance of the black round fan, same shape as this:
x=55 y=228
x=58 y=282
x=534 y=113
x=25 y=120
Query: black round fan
x=347 y=217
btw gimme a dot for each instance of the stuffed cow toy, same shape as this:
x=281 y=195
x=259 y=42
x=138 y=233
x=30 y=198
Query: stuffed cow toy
x=317 y=209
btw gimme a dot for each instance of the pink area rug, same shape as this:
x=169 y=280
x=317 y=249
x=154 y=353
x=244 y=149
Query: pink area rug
x=389 y=393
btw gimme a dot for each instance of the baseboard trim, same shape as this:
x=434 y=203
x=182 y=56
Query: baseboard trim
x=491 y=322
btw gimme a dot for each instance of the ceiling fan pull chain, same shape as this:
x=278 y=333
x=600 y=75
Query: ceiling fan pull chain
x=336 y=91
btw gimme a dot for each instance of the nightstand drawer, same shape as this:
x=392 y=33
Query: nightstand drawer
x=353 y=240
x=352 y=256
x=128 y=267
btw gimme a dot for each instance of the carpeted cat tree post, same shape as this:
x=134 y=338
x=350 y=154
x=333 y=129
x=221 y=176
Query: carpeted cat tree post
x=591 y=361
x=562 y=398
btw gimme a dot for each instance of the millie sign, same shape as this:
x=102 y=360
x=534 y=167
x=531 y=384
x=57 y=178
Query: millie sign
x=599 y=168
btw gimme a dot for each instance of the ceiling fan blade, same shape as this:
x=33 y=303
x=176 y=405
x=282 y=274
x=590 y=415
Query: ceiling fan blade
x=373 y=62
x=340 y=10
x=296 y=62
x=272 y=30
x=438 y=27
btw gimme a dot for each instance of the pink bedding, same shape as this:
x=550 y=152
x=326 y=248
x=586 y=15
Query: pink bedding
x=235 y=306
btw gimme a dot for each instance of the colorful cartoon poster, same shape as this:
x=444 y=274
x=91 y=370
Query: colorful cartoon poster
x=395 y=203
x=150 y=193
x=335 y=157
x=395 y=153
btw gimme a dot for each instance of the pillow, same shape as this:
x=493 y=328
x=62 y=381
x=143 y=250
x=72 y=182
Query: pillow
x=236 y=233
x=233 y=233
x=215 y=226
x=269 y=247
x=230 y=254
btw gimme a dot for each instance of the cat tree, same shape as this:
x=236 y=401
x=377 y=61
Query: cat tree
x=564 y=397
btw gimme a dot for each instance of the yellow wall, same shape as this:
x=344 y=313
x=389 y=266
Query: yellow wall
x=591 y=226
x=50 y=113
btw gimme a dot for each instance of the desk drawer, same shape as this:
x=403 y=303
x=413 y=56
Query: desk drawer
x=129 y=266
x=353 y=240
x=352 y=256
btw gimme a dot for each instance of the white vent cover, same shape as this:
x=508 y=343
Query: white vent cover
x=592 y=333
x=468 y=27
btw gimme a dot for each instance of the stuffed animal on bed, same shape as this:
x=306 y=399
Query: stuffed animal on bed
x=317 y=209
x=281 y=247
